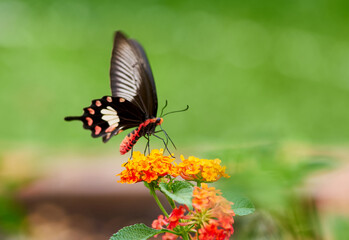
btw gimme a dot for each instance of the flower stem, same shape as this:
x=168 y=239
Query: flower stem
x=170 y=201
x=185 y=235
x=152 y=192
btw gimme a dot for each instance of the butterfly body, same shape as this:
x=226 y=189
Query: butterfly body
x=133 y=102
x=145 y=128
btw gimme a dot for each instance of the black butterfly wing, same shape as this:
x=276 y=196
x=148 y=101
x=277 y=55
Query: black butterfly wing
x=108 y=116
x=131 y=77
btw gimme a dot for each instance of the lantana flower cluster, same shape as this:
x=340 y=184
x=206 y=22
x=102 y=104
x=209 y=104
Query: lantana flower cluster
x=201 y=170
x=155 y=165
x=147 y=168
x=208 y=216
x=210 y=219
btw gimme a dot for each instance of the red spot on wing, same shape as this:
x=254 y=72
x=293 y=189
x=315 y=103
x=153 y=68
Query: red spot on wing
x=109 y=99
x=109 y=129
x=91 y=111
x=89 y=121
x=97 y=130
x=98 y=103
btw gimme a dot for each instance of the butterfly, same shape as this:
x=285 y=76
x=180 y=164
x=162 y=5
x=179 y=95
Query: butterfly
x=133 y=102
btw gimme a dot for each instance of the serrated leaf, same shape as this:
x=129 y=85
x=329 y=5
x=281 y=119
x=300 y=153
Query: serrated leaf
x=242 y=205
x=179 y=191
x=135 y=232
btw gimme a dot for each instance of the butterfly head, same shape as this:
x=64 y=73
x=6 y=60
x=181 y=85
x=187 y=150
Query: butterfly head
x=159 y=121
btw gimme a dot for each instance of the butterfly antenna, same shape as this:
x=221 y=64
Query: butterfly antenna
x=183 y=110
x=162 y=110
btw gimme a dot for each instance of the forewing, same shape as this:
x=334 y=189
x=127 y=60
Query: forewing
x=131 y=77
x=108 y=116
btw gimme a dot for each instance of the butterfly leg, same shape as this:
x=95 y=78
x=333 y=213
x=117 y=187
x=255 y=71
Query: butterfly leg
x=163 y=140
x=131 y=152
x=160 y=132
x=168 y=137
x=147 y=146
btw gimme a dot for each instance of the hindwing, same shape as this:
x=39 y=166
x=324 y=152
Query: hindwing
x=108 y=116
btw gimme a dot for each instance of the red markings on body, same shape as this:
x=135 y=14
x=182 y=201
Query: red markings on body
x=97 y=130
x=91 y=111
x=98 y=103
x=89 y=121
x=131 y=139
x=147 y=122
x=109 y=99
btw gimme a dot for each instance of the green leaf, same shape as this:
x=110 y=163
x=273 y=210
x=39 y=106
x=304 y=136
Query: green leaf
x=242 y=205
x=135 y=232
x=179 y=191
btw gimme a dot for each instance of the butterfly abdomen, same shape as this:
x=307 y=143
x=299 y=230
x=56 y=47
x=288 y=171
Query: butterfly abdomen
x=147 y=127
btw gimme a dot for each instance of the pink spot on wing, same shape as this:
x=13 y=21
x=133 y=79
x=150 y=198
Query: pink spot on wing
x=91 y=111
x=97 y=130
x=109 y=99
x=98 y=103
x=122 y=100
x=89 y=121
x=109 y=129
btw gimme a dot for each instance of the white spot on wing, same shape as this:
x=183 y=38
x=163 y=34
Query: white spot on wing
x=114 y=122
x=110 y=115
x=109 y=111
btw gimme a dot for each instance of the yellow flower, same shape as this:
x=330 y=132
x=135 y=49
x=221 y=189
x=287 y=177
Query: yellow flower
x=147 y=168
x=201 y=170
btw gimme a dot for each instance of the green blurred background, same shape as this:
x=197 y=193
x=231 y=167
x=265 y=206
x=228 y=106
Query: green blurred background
x=252 y=72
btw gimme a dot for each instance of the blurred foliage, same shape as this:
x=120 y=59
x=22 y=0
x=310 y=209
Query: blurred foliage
x=341 y=227
x=250 y=70
x=11 y=213
x=274 y=181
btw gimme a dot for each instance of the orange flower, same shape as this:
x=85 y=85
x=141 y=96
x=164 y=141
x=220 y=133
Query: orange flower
x=176 y=215
x=212 y=213
x=158 y=223
x=169 y=236
x=147 y=168
x=201 y=170
x=211 y=217
x=204 y=197
x=211 y=232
